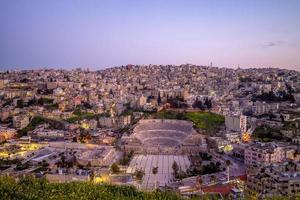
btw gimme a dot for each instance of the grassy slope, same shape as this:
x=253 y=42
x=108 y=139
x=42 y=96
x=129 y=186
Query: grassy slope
x=39 y=189
x=203 y=120
x=35 y=189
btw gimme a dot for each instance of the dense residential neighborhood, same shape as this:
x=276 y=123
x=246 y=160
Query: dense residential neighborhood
x=193 y=130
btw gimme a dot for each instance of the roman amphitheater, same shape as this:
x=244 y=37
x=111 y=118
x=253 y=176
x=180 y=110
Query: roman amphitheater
x=162 y=136
x=159 y=143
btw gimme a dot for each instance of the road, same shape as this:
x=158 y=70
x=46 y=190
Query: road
x=236 y=169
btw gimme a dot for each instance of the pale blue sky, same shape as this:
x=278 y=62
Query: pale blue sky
x=106 y=33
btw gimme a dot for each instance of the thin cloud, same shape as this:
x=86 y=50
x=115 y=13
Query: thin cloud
x=280 y=43
x=273 y=44
x=295 y=44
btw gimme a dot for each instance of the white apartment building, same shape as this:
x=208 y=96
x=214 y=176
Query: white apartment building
x=264 y=153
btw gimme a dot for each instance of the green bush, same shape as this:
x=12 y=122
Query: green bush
x=39 y=189
x=267 y=134
x=28 y=188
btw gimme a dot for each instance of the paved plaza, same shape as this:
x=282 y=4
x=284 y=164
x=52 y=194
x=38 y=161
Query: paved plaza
x=164 y=164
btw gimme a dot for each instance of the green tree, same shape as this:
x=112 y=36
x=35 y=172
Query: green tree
x=213 y=178
x=175 y=168
x=92 y=176
x=139 y=174
x=159 y=99
x=20 y=103
x=115 y=168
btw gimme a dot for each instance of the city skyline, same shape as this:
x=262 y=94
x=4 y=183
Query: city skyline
x=101 y=34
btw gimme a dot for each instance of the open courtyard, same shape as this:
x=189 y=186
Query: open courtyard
x=164 y=164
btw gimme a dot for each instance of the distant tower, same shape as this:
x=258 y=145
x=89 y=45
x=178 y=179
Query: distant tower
x=211 y=64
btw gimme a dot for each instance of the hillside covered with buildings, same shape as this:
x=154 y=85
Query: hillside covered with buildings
x=189 y=130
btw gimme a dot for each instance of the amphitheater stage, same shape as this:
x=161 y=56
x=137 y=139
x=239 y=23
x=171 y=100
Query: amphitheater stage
x=164 y=164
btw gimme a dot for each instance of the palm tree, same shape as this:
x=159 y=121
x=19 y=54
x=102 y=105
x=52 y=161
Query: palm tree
x=228 y=163
x=154 y=171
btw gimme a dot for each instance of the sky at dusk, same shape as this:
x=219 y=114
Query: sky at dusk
x=107 y=33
